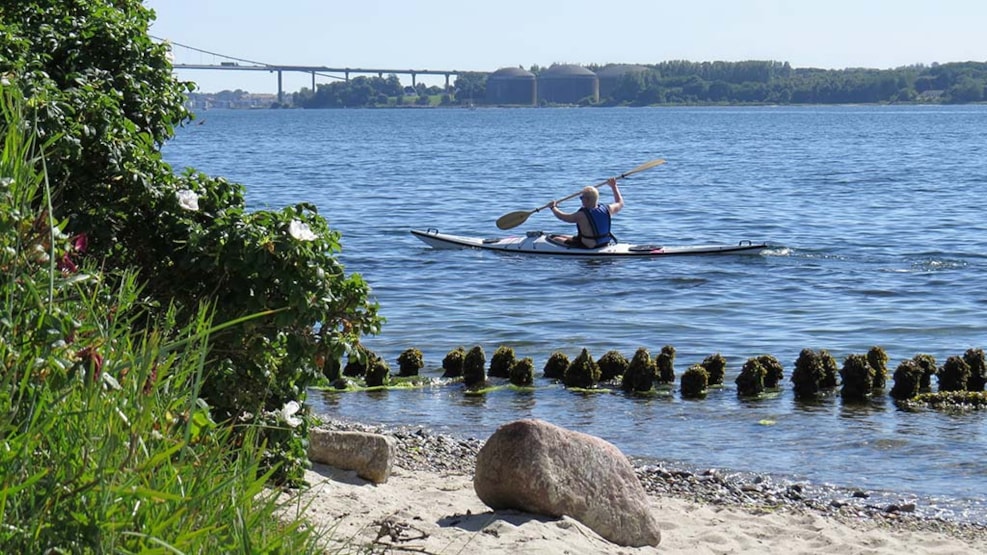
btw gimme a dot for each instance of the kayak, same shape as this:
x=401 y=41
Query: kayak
x=540 y=243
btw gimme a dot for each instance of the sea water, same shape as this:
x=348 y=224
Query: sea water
x=874 y=214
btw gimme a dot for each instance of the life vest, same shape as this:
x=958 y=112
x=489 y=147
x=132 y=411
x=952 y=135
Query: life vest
x=599 y=221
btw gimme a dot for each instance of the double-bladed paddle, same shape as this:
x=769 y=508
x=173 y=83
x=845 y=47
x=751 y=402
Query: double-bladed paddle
x=514 y=219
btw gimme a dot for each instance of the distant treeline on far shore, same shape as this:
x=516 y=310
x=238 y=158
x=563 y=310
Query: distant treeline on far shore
x=675 y=83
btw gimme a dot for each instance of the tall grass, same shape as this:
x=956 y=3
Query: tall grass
x=105 y=445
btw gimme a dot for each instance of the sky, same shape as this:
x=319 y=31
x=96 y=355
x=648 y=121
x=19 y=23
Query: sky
x=486 y=36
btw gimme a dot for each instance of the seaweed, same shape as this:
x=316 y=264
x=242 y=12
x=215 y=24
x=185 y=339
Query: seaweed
x=582 y=371
x=954 y=374
x=694 y=382
x=556 y=365
x=410 y=361
x=522 y=372
x=452 y=364
x=640 y=374
x=907 y=380
x=665 y=361
x=858 y=378
x=473 y=367
x=501 y=362
x=612 y=365
x=750 y=382
x=715 y=365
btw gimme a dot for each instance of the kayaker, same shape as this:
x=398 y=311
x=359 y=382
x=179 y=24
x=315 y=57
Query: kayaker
x=592 y=219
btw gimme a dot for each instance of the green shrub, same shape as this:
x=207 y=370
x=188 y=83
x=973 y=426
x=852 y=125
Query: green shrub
x=104 y=95
x=501 y=362
x=555 y=366
x=612 y=364
x=665 y=362
x=694 y=382
x=641 y=372
x=522 y=372
x=452 y=363
x=410 y=361
x=715 y=365
x=582 y=371
x=108 y=444
x=474 y=367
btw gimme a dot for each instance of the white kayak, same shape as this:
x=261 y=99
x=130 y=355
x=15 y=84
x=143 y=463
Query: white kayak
x=539 y=243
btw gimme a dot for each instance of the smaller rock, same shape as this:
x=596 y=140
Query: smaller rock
x=370 y=455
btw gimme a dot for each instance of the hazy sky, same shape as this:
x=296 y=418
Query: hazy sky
x=486 y=36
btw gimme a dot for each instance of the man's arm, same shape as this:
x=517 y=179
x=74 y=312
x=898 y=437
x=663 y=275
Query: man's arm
x=569 y=217
x=618 y=199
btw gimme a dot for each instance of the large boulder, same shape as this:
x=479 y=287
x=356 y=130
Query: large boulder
x=370 y=455
x=536 y=467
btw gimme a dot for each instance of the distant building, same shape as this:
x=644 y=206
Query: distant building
x=610 y=76
x=568 y=84
x=512 y=85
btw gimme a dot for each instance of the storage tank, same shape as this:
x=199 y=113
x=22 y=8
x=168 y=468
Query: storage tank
x=567 y=84
x=512 y=85
x=610 y=76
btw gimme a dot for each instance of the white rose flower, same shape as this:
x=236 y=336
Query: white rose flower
x=287 y=414
x=301 y=231
x=188 y=200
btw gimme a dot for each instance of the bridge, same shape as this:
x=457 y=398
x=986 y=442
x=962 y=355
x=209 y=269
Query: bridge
x=232 y=63
x=322 y=70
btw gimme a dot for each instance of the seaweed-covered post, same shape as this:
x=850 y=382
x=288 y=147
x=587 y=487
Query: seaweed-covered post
x=974 y=358
x=612 y=364
x=929 y=368
x=452 y=364
x=954 y=374
x=774 y=371
x=858 y=378
x=501 y=362
x=555 y=366
x=878 y=360
x=665 y=362
x=474 y=365
x=582 y=371
x=359 y=361
x=410 y=361
x=807 y=374
x=694 y=382
x=378 y=373
x=750 y=382
x=830 y=370
x=522 y=372
x=640 y=373
x=716 y=366
x=907 y=380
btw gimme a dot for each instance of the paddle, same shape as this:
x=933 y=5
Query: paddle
x=514 y=219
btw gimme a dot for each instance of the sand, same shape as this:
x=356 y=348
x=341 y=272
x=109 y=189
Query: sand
x=438 y=512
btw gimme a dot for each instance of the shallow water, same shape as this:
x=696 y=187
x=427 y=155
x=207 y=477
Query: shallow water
x=874 y=213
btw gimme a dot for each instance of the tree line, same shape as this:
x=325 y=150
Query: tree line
x=685 y=82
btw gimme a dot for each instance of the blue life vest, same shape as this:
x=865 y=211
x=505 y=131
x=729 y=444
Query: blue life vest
x=599 y=221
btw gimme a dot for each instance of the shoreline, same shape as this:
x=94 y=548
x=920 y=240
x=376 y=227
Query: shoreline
x=430 y=500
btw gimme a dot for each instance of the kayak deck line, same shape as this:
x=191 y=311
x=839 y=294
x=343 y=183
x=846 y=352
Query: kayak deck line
x=540 y=243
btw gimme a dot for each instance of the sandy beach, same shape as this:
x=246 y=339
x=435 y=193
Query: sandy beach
x=428 y=506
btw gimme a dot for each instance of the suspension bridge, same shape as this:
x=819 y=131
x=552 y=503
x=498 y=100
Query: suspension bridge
x=225 y=62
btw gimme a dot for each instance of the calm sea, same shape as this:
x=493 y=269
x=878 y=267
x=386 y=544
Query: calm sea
x=875 y=215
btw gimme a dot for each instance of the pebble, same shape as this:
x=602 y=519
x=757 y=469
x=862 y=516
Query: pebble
x=421 y=450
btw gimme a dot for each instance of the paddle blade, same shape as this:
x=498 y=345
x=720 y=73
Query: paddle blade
x=514 y=219
x=645 y=166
